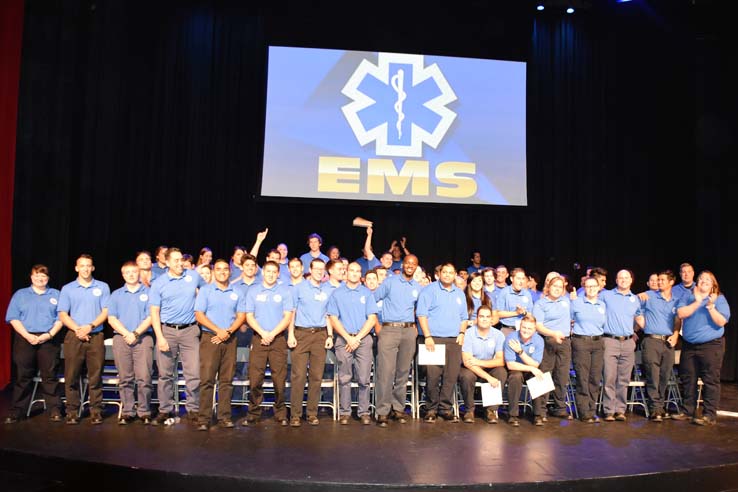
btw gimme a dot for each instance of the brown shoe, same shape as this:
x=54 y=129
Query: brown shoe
x=469 y=417
x=382 y=420
x=313 y=420
x=343 y=420
x=366 y=419
x=399 y=416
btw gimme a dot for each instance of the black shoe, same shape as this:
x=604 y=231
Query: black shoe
x=399 y=416
x=561 y=413
x=451 y=417
x=513 y=421
x=679 y=416
x=160 y=419
x=704 y=420
x=588 y=420
x=250 y=421
x=126 y=419
x=281 y=422
x=96 y=419
x=11 y=419
x=430 y=417
x=55 y=416
x=226 y=424
x=146 y=420
x=72 y=419
x=657 y=417
x=382 y=420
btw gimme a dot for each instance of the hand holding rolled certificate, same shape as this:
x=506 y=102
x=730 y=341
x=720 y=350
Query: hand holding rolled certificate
x=537 y=387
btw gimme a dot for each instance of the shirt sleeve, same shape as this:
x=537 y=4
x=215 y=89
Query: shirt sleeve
x=201 y=301
x=65 y=303
x=14 y=308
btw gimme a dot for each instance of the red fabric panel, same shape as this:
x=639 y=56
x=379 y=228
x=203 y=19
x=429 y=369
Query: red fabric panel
x=11 y=38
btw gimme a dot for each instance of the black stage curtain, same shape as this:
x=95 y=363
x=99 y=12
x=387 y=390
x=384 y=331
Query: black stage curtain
x=141 y=123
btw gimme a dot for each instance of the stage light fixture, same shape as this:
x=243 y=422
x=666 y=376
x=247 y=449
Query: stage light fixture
x=570 y=10
x=540 y=7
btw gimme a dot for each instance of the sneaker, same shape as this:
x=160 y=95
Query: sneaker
x=609 y=418
x=382 y=420
x=399 y=416
x=366 y=419
x=513 y=421
x=343 y=420
x=295 y=422
x=538 y=421
x=491 y=416
x=313 y=420
x=469 y=417
x=620 y=417
x=430 y=417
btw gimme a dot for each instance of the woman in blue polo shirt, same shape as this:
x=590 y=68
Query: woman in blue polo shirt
x=704 y=314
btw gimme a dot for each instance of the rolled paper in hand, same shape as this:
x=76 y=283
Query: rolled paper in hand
x=360 y=222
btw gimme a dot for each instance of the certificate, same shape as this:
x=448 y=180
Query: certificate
x=435 y=358
x=491 y=396
x=537 y=387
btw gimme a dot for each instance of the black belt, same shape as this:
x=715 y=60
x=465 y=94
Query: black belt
x=399 y=325
x=617 y=337
x=178 y=327
x=594 y=338
x=311 y=329
x=547 y=337
x=663 y=338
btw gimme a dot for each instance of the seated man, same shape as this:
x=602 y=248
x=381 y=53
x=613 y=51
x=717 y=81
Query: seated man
x=483 y=361
x=523 y=354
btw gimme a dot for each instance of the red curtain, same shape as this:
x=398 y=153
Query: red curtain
x=11 y=37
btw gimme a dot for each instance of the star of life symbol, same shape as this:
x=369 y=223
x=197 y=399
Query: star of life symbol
x=387 y=72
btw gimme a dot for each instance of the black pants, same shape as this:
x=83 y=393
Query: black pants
x=217 y=360
x=28 y=360
x=515 y=381
x=702 y=360
x=468 y=380
x=589 y=359
x=557 y=359
x=658 y=364
x=76 y=354
x=441 y=380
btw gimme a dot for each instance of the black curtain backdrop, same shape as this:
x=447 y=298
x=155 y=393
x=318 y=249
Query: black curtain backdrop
x=141 y=123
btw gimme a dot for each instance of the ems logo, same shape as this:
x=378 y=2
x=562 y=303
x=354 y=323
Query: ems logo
x=188 y=278
x=277 y=298
x=362 y=299
x=53 y=301
x=458 y=301
x=96 y=292
x=400 y=106
x=379 y=304
x=565 y=303
x=234 y=296
x=632 y=299
x=415 y=293
x=143 y=298
x=532 y=349
x=601 y=310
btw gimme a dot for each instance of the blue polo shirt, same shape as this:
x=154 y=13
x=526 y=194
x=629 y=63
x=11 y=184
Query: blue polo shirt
x=175 y=296
x=700 y=328
x=533 y=347
x=220 y=305
x=235 y=273
x=352 y=306
x=268 y=304
x=679 y=290
x=84 y=304
x=444 y=308
x=659 y=313
x=621 y=310
x=37 y=312
x=396 y=265
x=589 y=318
x=398 y=298
x=307 y=258
x=472 y=269
x=158 y=271
x=509 y=300
x=483 y=347
x=555 y=315
x=131 y=308
x=311 y=303
x=367 y=265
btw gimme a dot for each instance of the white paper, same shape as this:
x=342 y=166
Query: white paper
x=435 y=358
x=538 y=387
x=491 y=396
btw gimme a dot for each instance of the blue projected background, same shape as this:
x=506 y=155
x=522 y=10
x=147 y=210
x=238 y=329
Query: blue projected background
x=394 y=127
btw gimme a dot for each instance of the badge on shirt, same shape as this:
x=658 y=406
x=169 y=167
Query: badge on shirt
x=143 y=298
x=233 y=296
x=532 y=349
x=525 y=299
x=601 y=310
x=362 y=299
x=277 y=298
x=261 y=297
x=321 y=297
x=565 y=303
x=632 y=299
x=415 y=293
x=379 y=303
x=188 y=278
x=96 y=292
x=458 y=301
x=53 y=301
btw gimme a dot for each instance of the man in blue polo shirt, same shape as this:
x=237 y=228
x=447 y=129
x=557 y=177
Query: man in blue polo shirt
x=133 y=344
x=172 y=306
x=686 y=287
x=523 y=354
x=32 y=314
x=310 y=335
x=657 y=347
x=482 y=355
x=220 y=309
x=513 y=301
x=442 y=317
x=623 y=310
x=396 y=341
x=269 y=311
x=160 y=267
x=83 y=308
x=314 y=242
x=353 y=314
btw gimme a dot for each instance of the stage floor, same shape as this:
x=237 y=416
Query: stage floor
x=563 y=455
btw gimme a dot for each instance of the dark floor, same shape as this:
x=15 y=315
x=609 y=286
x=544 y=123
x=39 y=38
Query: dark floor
x=563 y=455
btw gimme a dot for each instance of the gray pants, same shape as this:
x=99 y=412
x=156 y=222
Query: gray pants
x=395 y=352
x=658 y=364
x=134 y=364
x=184 y=344
x=619 y=360
x=357 y=363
